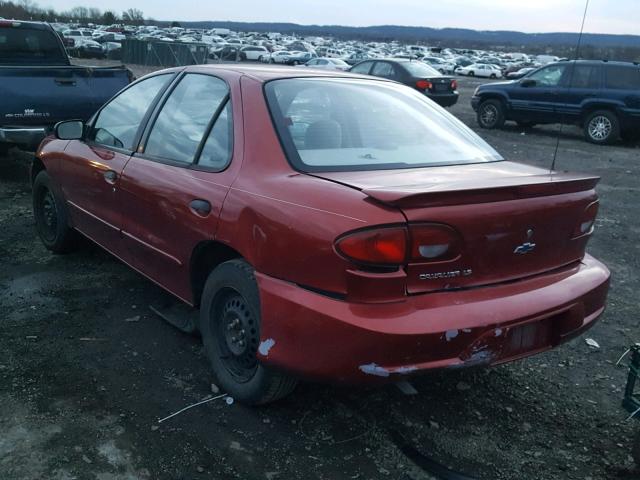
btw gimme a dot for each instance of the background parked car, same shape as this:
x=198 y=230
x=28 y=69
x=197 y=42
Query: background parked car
x=300 y=58
x=253 y=53
x=480 y=70
x=519 y=73
x=441 y=89
x=601 y=97
x=328 y=64
x=87 y=48
x=281 y=56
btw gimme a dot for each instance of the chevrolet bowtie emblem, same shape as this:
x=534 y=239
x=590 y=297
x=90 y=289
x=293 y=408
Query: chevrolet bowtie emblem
x=524 y=248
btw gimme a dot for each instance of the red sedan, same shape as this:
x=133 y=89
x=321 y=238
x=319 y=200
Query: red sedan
x=327 y=226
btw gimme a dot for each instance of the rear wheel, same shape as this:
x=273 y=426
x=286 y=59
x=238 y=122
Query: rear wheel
x=491 y=114
x=230 y=326
x=51 y=217
x=602 y=127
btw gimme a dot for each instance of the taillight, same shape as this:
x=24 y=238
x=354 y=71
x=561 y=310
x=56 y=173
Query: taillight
x=385 y=246
x=424 y=84
x=454 y=85
x=434 y=242
x=587 y=221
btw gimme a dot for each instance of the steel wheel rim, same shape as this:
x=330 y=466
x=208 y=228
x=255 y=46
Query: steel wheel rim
x=48 y=214
x=600 y=128
x=237 y=335
x=489 y=114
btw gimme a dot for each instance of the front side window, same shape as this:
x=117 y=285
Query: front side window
x=419 y=69
x=548 y=76
x=118 y=122
x=335 y=124
x=183 y=120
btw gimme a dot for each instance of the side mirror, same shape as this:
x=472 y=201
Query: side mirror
x=527 y=83
x=69 y=130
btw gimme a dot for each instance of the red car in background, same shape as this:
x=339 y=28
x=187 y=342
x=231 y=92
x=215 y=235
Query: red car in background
x=327 y=225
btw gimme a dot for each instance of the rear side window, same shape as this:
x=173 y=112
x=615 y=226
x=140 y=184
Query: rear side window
x=184 y=118
x=362 y=68
x=118 y=122
x=383 y=69
x=586 y=76
x=216 y=153
x=623 y=78
x=27 y=46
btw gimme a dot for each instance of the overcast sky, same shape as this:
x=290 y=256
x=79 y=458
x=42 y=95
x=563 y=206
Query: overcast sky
x=605 y=16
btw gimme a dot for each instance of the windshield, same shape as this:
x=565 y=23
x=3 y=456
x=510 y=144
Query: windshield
x=352 y=124
x=419 y=69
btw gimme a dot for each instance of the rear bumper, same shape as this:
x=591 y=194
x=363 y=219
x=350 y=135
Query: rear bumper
x=314 y=336
x=444 y=99
x=27 y=137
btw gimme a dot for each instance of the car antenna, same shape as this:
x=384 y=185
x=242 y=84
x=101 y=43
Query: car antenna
x=573 y=69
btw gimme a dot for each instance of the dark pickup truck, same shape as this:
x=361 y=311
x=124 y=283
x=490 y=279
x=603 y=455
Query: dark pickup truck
x=39 y=87
x=601 y=97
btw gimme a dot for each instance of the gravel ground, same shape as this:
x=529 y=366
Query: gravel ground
x=86 y=370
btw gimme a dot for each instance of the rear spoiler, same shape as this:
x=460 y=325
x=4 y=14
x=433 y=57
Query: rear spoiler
x=465 y=192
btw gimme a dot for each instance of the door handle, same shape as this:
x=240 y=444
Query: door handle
x=202 y=208
x=65 y=81
x=110 y=176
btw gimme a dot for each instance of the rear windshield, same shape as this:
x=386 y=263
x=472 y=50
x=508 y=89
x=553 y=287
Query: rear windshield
x=352 y=124
x=19 y=45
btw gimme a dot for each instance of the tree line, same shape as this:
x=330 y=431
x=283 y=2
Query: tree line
x=29 y=10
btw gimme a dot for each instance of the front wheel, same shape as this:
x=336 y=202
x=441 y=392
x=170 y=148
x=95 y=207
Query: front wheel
x=493 y=76
x=491 y=114
x=472 y=74
x=50 y=213
x=602 y=127
x=230 y=325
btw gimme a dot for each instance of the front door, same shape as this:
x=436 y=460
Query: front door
x=92 y=167
x=535 y=98
x=173 y=190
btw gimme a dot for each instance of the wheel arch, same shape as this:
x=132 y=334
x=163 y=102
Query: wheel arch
x=37 y=166
x=592 y=107
x=206 y=256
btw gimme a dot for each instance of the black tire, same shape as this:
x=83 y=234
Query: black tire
x=602 y=127
x=230 y=326
x=472 y=73
x=51 y=216
x=491 y=114
x=493 y=76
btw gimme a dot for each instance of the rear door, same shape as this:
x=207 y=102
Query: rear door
x=173 y=189
x=583 y=82
x=91 y=169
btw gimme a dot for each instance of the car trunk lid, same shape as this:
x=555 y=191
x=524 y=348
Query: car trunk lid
x=515 y=221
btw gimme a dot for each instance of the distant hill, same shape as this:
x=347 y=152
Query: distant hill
x=452 y=37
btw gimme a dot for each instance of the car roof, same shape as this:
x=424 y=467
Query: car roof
x=265 y=73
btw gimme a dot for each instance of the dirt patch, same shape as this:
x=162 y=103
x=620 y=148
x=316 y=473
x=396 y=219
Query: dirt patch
x=86 y=371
